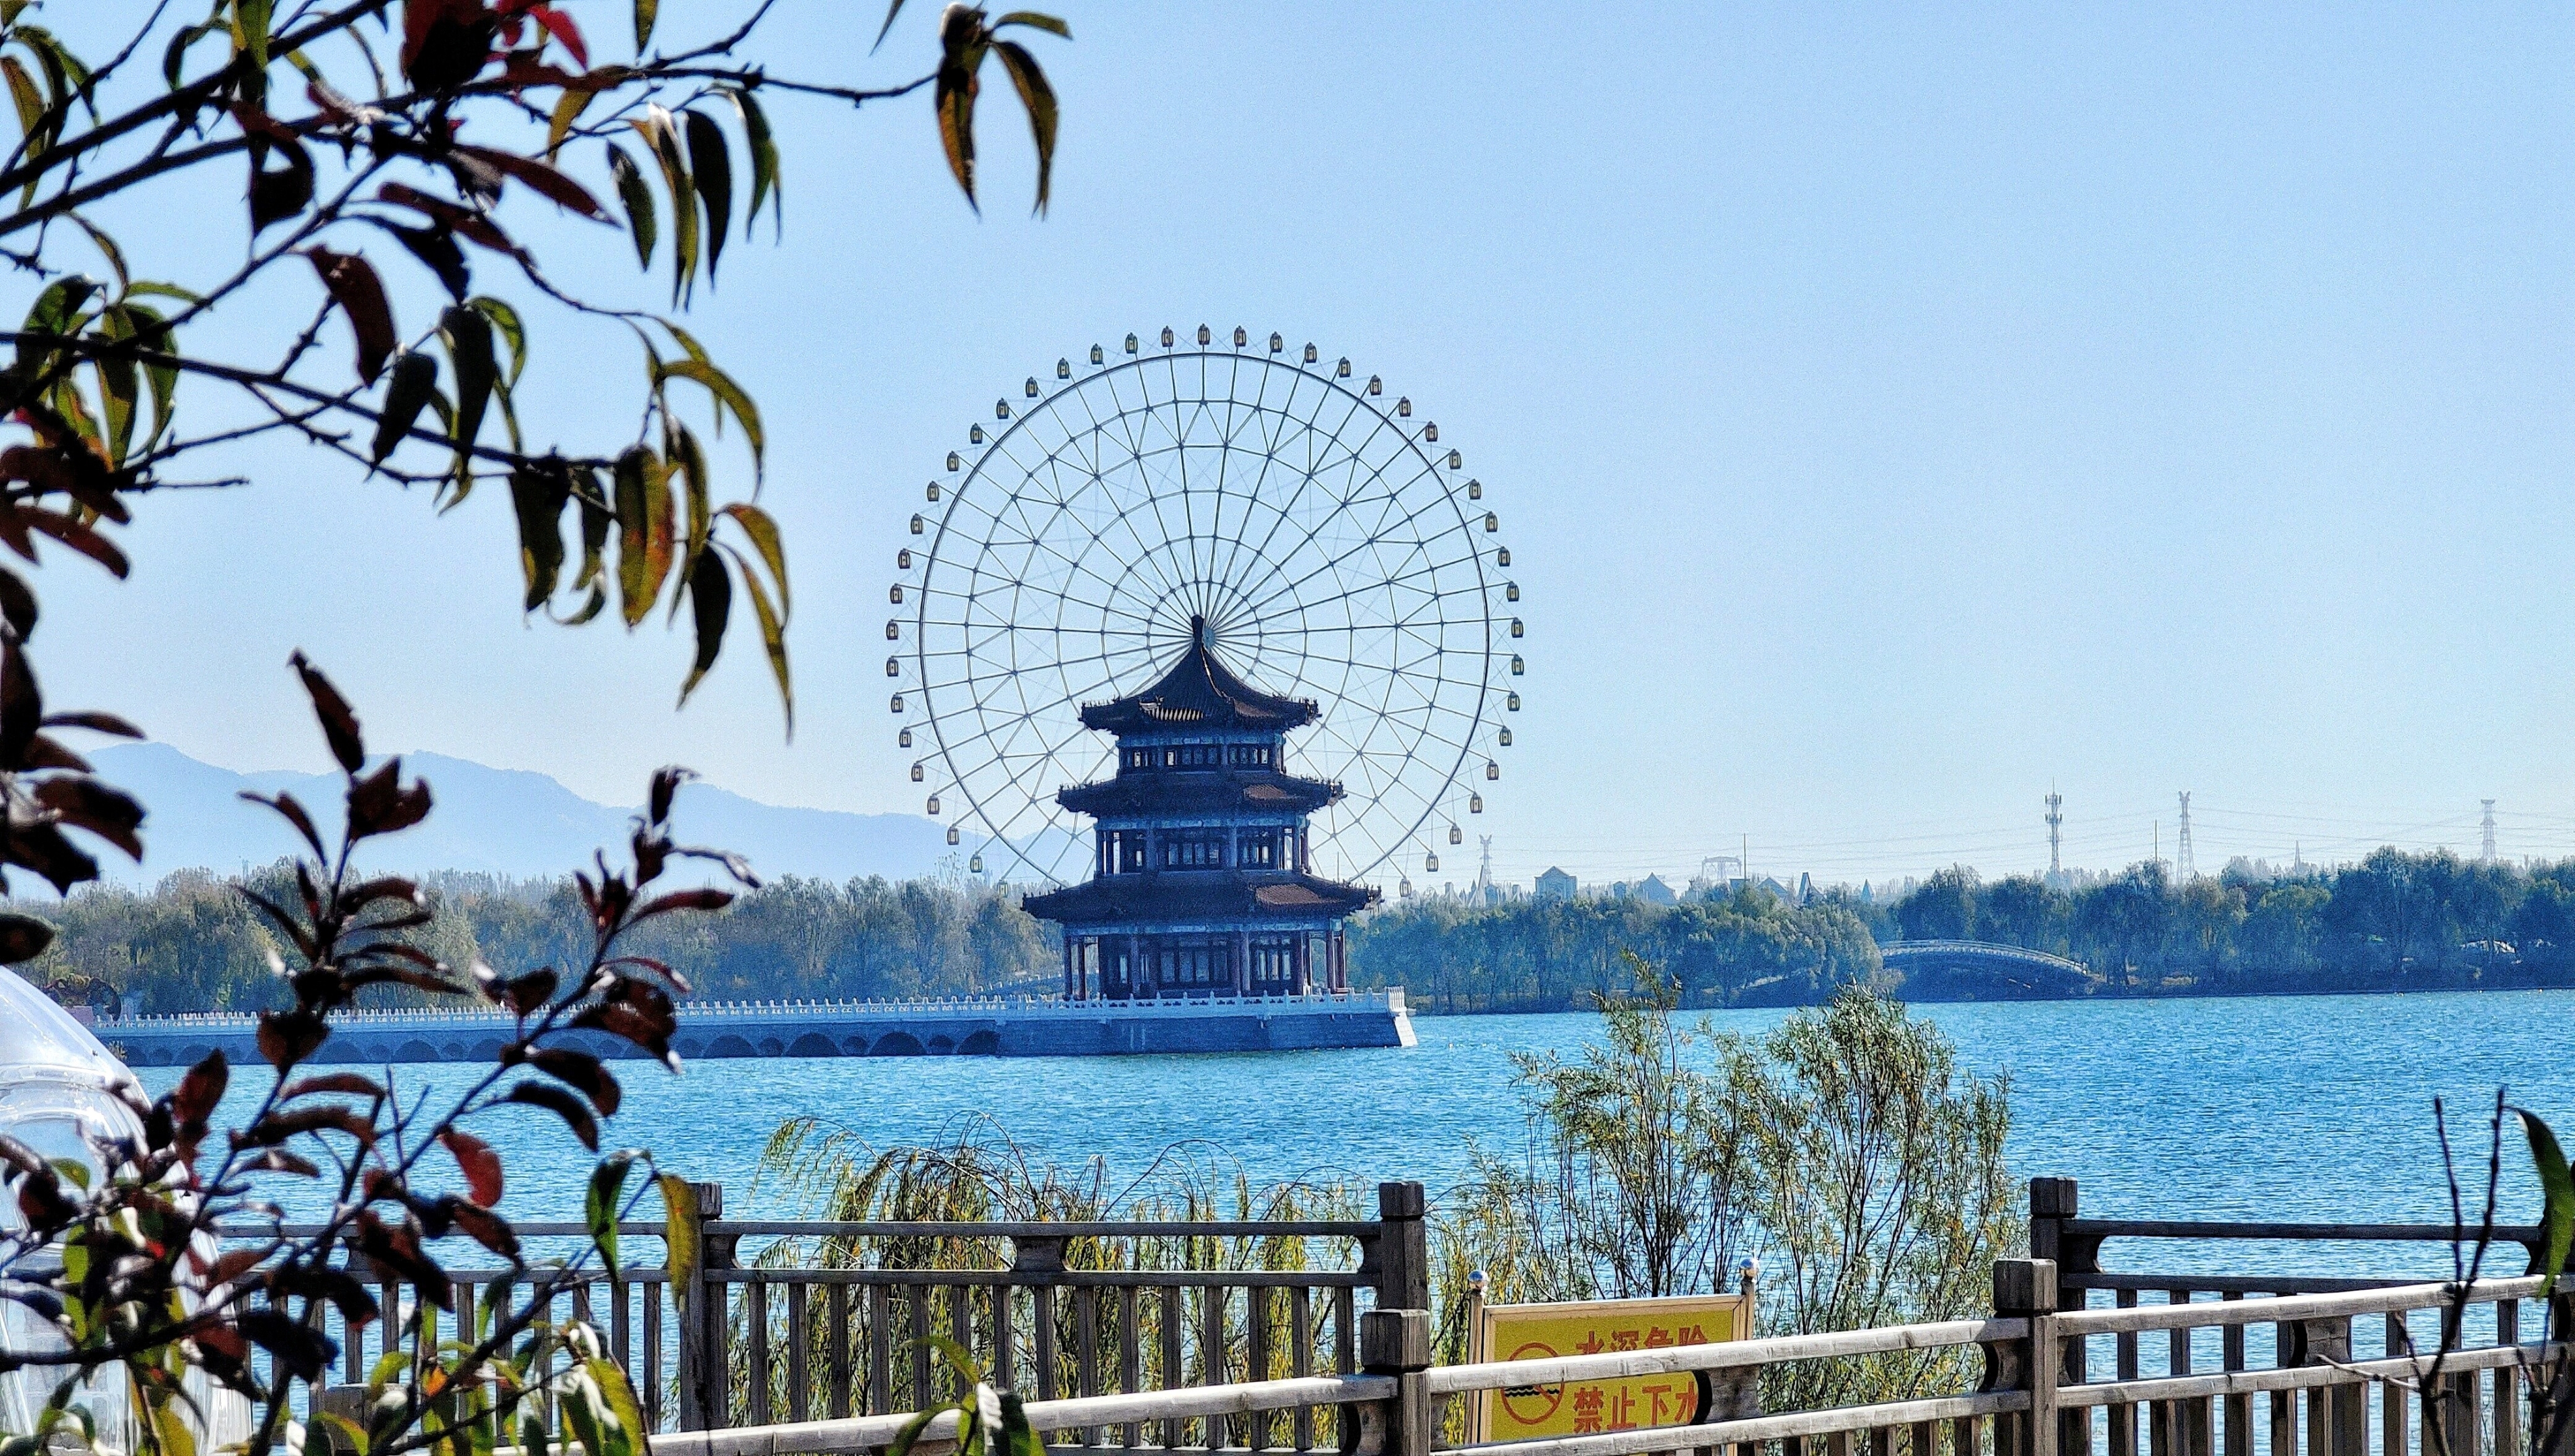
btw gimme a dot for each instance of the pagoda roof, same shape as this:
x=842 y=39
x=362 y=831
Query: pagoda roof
x=1199 y=692
x=1203 y=895
x=1197 y=791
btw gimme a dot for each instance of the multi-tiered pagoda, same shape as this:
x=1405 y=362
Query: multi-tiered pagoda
x=1199 y=885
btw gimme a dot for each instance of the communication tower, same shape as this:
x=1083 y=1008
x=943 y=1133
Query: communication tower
x=2183 y=869
x=2489 y=851
x=2056 y=825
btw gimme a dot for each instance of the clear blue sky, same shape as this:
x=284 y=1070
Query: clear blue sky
x=1892 y=411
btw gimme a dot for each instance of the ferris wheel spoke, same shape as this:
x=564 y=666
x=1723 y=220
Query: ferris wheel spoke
x=1370 y=584
x=1344 y=557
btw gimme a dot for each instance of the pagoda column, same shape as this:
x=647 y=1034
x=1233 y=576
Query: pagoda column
x=1070 y=994
x=1243 y=963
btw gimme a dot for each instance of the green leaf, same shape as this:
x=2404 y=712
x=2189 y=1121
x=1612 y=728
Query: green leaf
x=117 y=384
x=347 y=1429
x=595 y=520
x=31 y=114
x=638 y=200
x=763 y=162
x=772 y=638
x=664 y=138
x=538 y=496
x=726 y=394
x=175 y=55
x=57 y=311
x=1039 y=98
x=953 y=98
x=959 y=1362
x=505 y=320
x=680 y=1225
x=581 y=1414
x=911 y=1433
x=755 y=523
x=687 y=341
x=1018 y=1438
x=468 y=345
x=163 y=378
x=2557 y=1187
x=568 y=109
x=413 y=383
x=599 y=1210
x=711 y=170
x=711 y=604
x=1034 y=21
x=250 y=31
x=892 y=10
x=617 y=1398
x=633 y=474
x=689 y=460
x=645 y=12
x=107 y=249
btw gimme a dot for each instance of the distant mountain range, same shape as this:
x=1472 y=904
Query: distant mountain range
x=492 y=821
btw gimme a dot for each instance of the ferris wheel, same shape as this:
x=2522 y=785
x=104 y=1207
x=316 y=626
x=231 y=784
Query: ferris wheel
x=1331 y=546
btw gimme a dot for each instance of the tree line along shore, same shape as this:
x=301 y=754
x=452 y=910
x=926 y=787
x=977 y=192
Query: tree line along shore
x=2391 y=922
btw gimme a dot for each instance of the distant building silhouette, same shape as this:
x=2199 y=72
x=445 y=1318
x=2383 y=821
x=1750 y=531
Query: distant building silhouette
x=1653 y=890
x=1555 y=885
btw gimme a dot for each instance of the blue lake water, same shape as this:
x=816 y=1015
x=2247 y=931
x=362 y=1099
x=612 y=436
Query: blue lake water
x=2282 y=1107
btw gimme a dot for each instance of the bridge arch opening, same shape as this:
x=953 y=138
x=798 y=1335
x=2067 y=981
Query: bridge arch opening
x=895 y=1044
x=813 y=1043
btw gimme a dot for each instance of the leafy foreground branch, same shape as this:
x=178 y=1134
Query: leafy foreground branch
x=347 y=165
x=148 y=1324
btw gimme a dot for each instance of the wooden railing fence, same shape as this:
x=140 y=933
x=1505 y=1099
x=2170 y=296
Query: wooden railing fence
x=1059 y=1310
x=2485 y=1407
x=1298 y=1336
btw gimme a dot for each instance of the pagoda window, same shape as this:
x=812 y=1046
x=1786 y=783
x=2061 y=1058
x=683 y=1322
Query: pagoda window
x=1137 y=758
x=1127 y=851
x=1193 y=851
x=1259 y=851
x=1194 y=965
x=1193 y=755
x=1273 y=966
x=1251 y=756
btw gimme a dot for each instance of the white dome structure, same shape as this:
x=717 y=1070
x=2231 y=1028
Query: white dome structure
x=58 y=1094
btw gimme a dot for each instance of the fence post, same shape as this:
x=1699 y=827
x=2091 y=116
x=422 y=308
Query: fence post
x=703 y=1321
x=1397 y=1342
x=2026 y=1289
x=2336 y=1414
x=1402 y=1248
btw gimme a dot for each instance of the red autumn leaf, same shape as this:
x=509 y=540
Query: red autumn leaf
x=361 y=294
x=482 y=1166
x=539 y=177
x=560 y=26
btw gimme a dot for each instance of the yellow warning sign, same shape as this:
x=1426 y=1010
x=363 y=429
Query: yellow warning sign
x=1599 y=1327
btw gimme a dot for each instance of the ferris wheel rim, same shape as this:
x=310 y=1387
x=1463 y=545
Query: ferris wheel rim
x=1138 y=635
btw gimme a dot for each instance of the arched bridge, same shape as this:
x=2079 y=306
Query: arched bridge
x=1965 y=967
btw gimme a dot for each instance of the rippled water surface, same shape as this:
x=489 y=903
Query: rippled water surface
x=2291 y=1107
